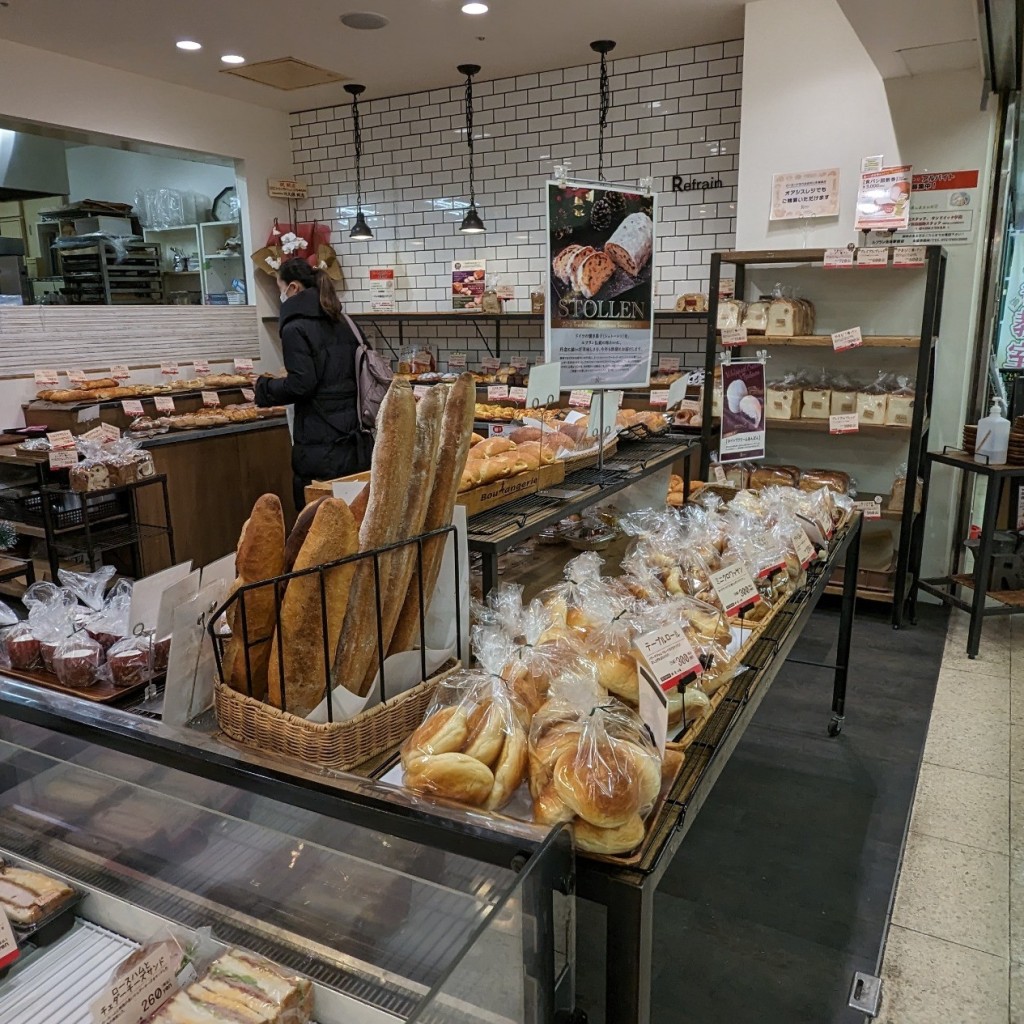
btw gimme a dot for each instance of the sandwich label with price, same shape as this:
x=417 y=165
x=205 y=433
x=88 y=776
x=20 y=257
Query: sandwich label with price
x=803 y=548
x=9 y=951
x=136 y=993
x=735 y=588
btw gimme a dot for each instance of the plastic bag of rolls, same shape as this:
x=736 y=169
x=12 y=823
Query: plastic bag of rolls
x=596 y=768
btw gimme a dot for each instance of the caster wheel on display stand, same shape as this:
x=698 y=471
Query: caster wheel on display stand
x=835 y=726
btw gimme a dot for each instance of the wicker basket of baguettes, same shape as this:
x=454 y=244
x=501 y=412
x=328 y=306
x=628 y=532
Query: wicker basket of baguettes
x=278 y=665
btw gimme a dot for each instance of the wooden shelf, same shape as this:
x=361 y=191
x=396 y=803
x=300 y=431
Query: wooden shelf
x=1013 y=598
x=825 y=341
x=821 y=427
x=881 y=596
x=766 y=257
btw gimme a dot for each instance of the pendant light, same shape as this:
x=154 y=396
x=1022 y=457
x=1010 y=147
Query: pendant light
x=360 y=230
x=603 y=47
x=471 y=223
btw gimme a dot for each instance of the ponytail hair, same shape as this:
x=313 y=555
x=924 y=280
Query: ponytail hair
x=298 y=269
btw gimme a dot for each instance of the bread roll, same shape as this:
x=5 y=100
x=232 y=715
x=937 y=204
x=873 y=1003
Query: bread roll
x=599 y=782
x=475 y=439
x=486 y=733
x=557 y=442
x=443 y=732
x=548 y=808
x=617 y=674
x=509 y=771
x=575 y=431
x=521 y=434
x=493 y=446
x=490 y=470
x=455 y=776
x=609 y=841
x=260 y=556
x=390 y=471
x=456 y=431
x=399 y=568
x=331 y=536
x=471 y=475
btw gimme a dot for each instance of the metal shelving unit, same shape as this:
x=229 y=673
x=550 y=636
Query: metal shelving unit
x=98 y=275
x=923 y=343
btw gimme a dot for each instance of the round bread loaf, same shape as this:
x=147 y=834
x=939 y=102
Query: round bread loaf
x=444 y=731
x=486 y=733
x=455 y=776
x=617 y=674
x=492 y=446
x=548 y=808
x=521 y=434
x=609 y=841
x=509 y=771
x=599 y=781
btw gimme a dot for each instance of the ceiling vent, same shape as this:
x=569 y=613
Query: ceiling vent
x=285 y=73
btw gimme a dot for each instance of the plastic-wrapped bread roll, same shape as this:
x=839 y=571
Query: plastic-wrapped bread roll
x=390 y=471
x=631 y=243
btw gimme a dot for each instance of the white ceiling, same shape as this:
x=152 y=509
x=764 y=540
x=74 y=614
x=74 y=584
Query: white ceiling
x=419 y=49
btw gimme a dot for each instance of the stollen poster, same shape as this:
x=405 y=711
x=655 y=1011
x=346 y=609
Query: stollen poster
x=599 y=322
x=742 y=412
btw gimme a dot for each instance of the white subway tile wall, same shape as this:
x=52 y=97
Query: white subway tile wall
x=672 y=113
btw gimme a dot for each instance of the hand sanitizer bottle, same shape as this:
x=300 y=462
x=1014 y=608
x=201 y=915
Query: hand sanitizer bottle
x=993 y=437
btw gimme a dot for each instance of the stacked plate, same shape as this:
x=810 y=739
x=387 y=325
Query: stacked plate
x=1015 y=451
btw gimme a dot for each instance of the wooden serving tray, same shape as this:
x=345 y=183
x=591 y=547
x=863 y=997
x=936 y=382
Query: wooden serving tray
x=101 y=693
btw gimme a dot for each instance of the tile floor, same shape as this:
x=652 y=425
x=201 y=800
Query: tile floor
x=955 y=950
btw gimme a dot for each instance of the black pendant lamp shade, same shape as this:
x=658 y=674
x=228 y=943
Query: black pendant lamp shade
x=360 y=230
x=471 y=223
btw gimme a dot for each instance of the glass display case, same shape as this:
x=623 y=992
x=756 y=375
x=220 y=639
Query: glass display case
x=386 y=927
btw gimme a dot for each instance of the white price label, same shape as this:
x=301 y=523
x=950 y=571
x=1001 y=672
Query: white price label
x=838 y=258
x=132 y=407
x=137 y=992
x=111 y=432
x=61 y=439
x=243 y=366
x=518 y=395
x=653 y=705
x=735 y=588
x=843 y=423
x=347 y=490
x=248 y=394
x=120 y=372
x=908 y=256
x=456 y=360
x=9 y=951
x=63 y=458
x=659 y=399
x=76 y=377
x=506 y=291
x=720 y=477
x=201 y=367
x=169 y=368
x=420 y=391
x=519 y=363
x=669 y=655
x=163 y=403
x=871 y=509
x=211 y=400
x=97 y=434
x=850 y=338
x=803 y=548
x=579 y=399
x=734 y=336
x=45 y=378
x=873 y=256
x=491 y=364
x=496 y=392
x=668 y=364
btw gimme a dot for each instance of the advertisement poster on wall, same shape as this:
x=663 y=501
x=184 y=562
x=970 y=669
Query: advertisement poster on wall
x=800 y=194
x=883 y=199
x=468 y=278
x=944 y=209
x=742 y=427
x=1011 y=327
x=600 y=317
x=382 y=289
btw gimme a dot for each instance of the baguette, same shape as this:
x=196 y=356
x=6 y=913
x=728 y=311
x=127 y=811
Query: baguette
x=358 y=505
x=331 y=535
x=389 y=483
x=260 y=556
x=300 y=531
x=453 y=449
x=397 y=567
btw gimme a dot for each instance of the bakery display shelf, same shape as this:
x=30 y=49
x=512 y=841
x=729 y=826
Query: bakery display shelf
x=24 y=507
x=822 y=427
x=863 y=593
x=113 y=538
x=825 y=341
x=1010 y=598
x=627 y=891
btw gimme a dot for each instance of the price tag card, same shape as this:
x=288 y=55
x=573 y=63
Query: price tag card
x=110 y=432
x=45 y=378
x=659 y=399
x=420 y=391
x=668 y=364
x=803 y=548
x=169 y=368
x=63 y=458
x=838 y=258
x=97 y=434
x=347 y=490
x=456 y=360
x=519 y=363
x=543 y=385
x=871 y=509
x=734 y=336
x=9 y=951
x=610 y=410
x=248 y=394
x=120 y=372
x=201 y=367
x=163 y=403
x=843 y=423
x=61 y=439
x=908 y=256
x=653 y=705
x=850 y=338
x=243 y=366
x=132 y=407
x=677 y=392
x=720 y=477
x=76 y=377
x=137 y=992
x=580 y=399
x=669 y=655
x=518 y=395
x=735 y=588
x=211 y=400
x=873 y=256
x=491 y=364
x=496 y=392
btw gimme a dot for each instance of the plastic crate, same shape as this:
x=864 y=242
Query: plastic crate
x=25 y=505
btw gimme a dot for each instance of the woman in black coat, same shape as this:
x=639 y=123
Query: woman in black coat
x=320 y=357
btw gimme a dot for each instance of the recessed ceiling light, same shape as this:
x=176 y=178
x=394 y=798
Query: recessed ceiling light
x=474 y=8
x=189 y=44
x=233 y=58
x=365 y=20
